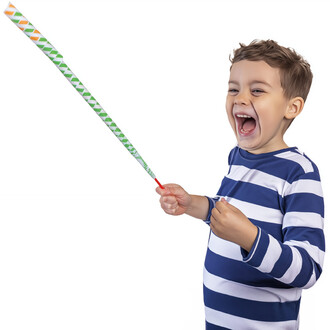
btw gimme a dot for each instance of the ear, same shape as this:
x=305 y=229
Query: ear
x=294 y=108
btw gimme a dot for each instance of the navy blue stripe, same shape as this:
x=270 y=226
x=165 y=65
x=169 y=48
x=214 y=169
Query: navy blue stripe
x=273 y=229
x=259 y=252
x=275 y=166
x=312 y=175
x=283 y=263
x=303 y=202
x=314 y=236
x=239 y=272
x=306 y=269
x=209 y=326
x=247 y=155
x=319 y=271
x=250 y=192
x=244 y=253
x=232 y=154
x=212 y=202
x=251 y=309
x=272 y=165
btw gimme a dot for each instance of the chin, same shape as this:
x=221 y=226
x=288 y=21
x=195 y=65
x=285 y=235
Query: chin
x=248 y=146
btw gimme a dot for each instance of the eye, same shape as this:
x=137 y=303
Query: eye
x=232 y=91
x=257 y=91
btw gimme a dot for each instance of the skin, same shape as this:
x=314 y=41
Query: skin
x=254 y=89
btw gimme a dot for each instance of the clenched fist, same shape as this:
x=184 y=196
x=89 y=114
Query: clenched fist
x=229 y=223
x=174 y=199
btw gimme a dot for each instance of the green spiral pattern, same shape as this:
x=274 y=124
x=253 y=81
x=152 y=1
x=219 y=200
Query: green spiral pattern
x=49 y=50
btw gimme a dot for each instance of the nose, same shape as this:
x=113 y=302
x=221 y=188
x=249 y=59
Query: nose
x=242 y=98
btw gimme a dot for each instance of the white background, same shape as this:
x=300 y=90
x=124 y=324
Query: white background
x=83 y=241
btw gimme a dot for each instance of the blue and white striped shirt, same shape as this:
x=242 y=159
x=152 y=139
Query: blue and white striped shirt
x=280 y=192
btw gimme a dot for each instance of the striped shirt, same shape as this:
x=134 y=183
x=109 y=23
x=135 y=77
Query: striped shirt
x=280 y=192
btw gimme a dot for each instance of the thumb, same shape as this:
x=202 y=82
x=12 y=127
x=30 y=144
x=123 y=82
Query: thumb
x=163 y=192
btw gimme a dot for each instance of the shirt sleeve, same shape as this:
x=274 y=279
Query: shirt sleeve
x=297 y=260
x=212 y=202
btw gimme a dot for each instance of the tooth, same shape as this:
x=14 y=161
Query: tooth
x=244 y=116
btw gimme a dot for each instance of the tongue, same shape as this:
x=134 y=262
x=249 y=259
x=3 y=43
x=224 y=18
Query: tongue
x=249 y=124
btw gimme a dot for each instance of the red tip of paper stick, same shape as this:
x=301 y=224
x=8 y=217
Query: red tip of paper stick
x=159 y=184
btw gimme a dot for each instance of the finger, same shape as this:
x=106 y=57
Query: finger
x=215 y=214
x=163 y=192
x=169 y=199
x=170 y=206
x=220 y=206
x=212 y=226
x=175 y=189
x=171 y=211
x=231 y=207
x=168 y=202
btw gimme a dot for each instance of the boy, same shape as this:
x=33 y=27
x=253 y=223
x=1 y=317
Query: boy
x=266 y=241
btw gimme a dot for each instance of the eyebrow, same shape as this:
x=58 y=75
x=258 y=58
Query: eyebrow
x=252 y=82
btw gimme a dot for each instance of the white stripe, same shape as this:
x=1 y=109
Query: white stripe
x=257 y=212
x=272 y=254
x=303 y=219
x=316 y=254
x=297 y=158
x=282 y=187
x=294 y=268
x=305 y=186
x=224 y=248
x=234 y=289
x=245 y=174
x=213 y=203
x=239 y=323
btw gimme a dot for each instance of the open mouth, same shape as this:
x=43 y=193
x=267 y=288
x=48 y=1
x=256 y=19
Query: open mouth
x=245 y=124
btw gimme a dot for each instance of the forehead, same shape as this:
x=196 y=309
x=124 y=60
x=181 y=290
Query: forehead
x=253 y=71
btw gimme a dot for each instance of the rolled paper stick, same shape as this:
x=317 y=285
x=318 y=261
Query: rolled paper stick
x=49 y=50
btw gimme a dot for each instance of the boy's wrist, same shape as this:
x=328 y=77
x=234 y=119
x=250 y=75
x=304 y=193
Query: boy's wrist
x=249 y=237
x=198 y=207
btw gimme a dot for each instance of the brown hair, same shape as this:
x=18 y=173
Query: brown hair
x=295 y=73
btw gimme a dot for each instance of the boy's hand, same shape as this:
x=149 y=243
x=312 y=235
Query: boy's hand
x=174 y=199
x=231 y=224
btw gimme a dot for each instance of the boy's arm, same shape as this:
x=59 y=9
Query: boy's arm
x=199 y=207
x=297 y=260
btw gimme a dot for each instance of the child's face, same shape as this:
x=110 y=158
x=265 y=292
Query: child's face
x=256 y=106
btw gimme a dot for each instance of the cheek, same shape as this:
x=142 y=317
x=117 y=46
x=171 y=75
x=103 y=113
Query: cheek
x=266 y=121
x=228 y=106
x=229 y=111
x=270 y=120
x=231 y=121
